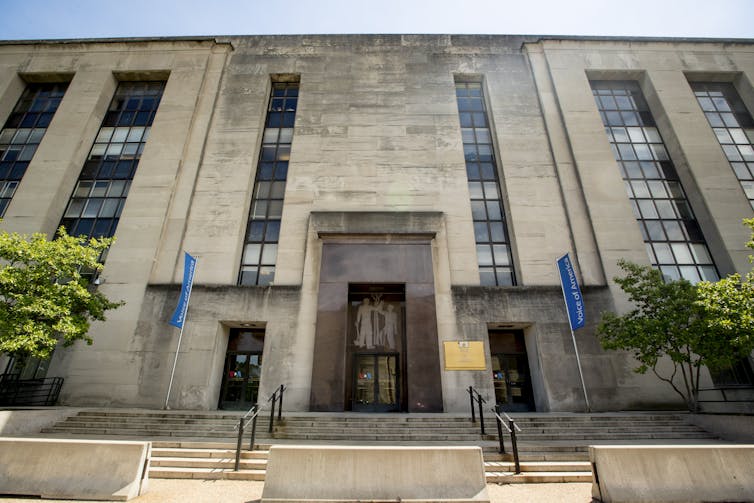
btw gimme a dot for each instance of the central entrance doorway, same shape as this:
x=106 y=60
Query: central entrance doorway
x=376 y=347
x=376 y=382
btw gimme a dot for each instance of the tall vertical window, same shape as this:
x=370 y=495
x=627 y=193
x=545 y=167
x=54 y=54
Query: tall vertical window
x=733 y=126
x=99 y=196
x=490 y=229
x=261 y=243
x=23 y=132
x=674 y=241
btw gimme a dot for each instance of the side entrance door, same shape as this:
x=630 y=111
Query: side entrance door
x=510 y=376
x=242 y=369
x=376 y=385
x=241 y=380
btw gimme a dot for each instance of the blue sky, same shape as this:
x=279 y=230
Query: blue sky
x=35 y=19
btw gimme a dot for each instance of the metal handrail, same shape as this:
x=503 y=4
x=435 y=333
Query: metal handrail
x=480 y=401
x=252 y=414
x=274 y=398
x=511 y=427
x=39 y=391
x=510 y=420
x=723 y=389
x=242 y=423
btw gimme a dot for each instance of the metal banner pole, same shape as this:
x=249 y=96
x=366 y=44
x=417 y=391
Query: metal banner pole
x=190 y=283
x=570 y=325
x=581 y=373
x=175 y=361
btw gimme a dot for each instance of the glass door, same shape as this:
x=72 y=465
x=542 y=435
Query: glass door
x=376 y=386
x=510 y=376
x=241 y=380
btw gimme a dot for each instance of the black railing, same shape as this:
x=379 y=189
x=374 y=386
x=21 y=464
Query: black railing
x=511 y=427
x=277 y=396
x=479 y=400
x=29 y=392
x=747 y=389
x=251 y=415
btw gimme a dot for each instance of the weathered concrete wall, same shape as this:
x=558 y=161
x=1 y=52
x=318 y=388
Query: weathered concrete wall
x=108 y=372
x=375 y=474
x=540 y=311
x=21 y=422
x=213 y=311
x=376 y=131
x=74 y=469
x=672 y=473
x=736 y=428
x=662 y=69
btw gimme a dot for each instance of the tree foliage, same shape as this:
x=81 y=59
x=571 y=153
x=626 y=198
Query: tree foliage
x=43 y=296
x=708 y=324
x=730 y=305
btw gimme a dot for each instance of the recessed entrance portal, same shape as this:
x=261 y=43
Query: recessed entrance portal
x=243 y=366
x=376 y=343
x=375 y=300
x=510 y=372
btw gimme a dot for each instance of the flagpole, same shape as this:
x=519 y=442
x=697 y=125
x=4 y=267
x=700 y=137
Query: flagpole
x=576 y=349
x=180 y=337
x=175 y=361
x=581 y=373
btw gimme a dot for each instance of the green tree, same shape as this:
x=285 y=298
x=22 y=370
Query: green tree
x=666 y=321
x=730 y=306
x=43 y=296
x=708 y=324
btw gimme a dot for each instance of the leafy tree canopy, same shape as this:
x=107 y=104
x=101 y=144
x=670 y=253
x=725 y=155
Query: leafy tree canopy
x=708 y=324
x=43 y=296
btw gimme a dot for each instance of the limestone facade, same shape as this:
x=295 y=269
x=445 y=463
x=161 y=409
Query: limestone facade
x=376 y=160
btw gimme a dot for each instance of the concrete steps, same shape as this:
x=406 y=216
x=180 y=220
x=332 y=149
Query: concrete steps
x=552 y=447
x=190 y=460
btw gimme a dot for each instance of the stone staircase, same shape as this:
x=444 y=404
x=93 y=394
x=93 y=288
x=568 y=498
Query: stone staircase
x=552 y=447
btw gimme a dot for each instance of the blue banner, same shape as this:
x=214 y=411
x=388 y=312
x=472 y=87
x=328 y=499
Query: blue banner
x=571 y=292
x=189 y=266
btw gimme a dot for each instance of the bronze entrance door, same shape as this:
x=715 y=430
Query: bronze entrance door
x=376 y=386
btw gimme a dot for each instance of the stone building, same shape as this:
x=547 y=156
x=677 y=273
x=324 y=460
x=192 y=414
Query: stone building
x=376 y=219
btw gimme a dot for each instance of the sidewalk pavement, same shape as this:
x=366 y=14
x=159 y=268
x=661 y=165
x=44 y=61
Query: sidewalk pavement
x=237 y=491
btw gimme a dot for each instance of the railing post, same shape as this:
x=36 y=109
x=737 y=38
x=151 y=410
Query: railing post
x=280 y=405
x=238 y=444
x=471 y=400
x=514 y=445
x=500 y=434
x=272 y=411
x=253 y=428
x=481 y=413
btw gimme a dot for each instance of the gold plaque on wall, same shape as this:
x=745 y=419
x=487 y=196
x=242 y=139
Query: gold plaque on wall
x=464 y=355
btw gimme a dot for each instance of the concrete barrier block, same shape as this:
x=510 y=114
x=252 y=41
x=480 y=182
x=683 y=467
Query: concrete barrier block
x=351 y=473
x=643 y=473
x=74 y=469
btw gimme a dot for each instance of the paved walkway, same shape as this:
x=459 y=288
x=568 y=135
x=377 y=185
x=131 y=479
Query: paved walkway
x=231 y=491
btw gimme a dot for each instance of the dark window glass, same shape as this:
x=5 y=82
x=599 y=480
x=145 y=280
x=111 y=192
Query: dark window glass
x=23 y=132
x=672 y=237
x=734 y=131
x=493 y=245
x=102 y=188
x=263 y=230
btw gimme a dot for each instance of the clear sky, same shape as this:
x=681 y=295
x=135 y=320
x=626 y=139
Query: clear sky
x=38 y=19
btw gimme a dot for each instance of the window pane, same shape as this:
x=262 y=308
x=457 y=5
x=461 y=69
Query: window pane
x=666 y=220
x=269 y=190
